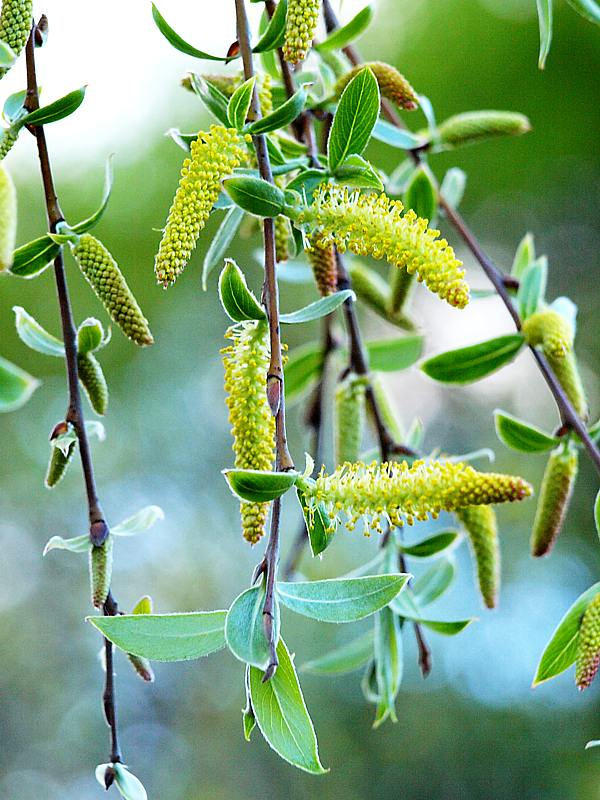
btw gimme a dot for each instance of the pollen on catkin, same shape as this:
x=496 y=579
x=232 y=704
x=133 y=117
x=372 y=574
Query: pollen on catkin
x=588 y=646
x=15 y=25
x=349 y=417
x=106 y=279
x=481 y=527
x=8 y=219
x=300 y=27
x=396 y=493
x=373 y=225
x=555 y=494
x=246 y=363
x=324 y=267
x=214 y=155
x=392 y=84
x=93 y=381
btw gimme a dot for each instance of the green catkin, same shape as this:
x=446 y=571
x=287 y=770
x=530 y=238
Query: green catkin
x=300 y=28
x=213 y=156
x=7 y=140
x=106 y=279
x=8 y=219
x=588 y=646
x=246 y=363
x=324 y=267
x=15 y=25
x=552 y=332
x=93 y=381
x=373 y=225
x=349 y=417
x=392 y=84
x=477 y=126
x=101 y=559
x=481 y=527
x=555 y=495
x=57 y=465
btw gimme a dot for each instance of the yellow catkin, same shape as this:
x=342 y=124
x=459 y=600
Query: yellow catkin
x=8 y=219
x=246 y=362
x=57 y=465
x=101 y=559
x=588 y=646
x=93 y=381
x=481 y=527
x=300 y=27
x=396 y=493
x=106 y=279
x=323 y=263
x=214 y=155
x=15 y=25
x=555 y=494
x=373 y=225
x=477 y=126
x=349 y=417
x=392 y=84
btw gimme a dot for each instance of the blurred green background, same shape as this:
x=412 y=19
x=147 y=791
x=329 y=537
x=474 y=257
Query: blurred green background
x=474 y=729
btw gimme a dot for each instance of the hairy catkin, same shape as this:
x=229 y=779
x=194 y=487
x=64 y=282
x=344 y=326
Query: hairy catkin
x=553 y=503
x=588 y=646
x=7 y=138
x=57 y=465
x=349 y=417
x=324 y=266
x=15 y=25
x=392 y=84
x=246 y=363
x=481 y=527
x=300 y=27
x=101 y=559
x=476 y=126
x=106 y=279
x=8 y=219
x=142 y=667
x=93 y=381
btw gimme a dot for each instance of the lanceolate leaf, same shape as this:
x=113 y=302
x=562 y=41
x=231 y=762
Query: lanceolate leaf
x=392 y=355
x=139 y=522
x=533 y=287
x=589 y=9
x=320 y=308
x=88 y=224
x=358 y=172
x=214 y=100
x=221 y=241
x=521 y=435
x=354 y=119
x=524 y=256
x=282 y=116
x=282 y=715
x=180 y=44
x=34 y=336
x=244 y=630
x=78 y=544
x=346 y=658
x=239 y=103
x=274 y=34
x=256 y=196
x=255 y=486
x=431 y=546
x=165 y=637
x=453 y=186
x=16 y=386
x=472 y=363
x=57 y=110
x=388 y=664
x=544 y=9
x=347 y=33
x=395 y=137
x=421 y=193
x=433 y=583
x=31 y=258
x=237 y=300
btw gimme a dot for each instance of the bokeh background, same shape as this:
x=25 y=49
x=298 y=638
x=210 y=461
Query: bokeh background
x=474 y=729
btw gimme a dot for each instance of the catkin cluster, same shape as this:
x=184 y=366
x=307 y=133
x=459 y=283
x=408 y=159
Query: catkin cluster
x=397 y=493
x=480 y=525
x=214 y=155
x=373 y=225
x=8 y=219
x=392 y=84
x=588 y=646
x=246 y=363
x=300 y=27
x=15 y=25
x=555 y=494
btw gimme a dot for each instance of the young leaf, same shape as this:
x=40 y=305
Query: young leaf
x=343 y=659
x=221 y=241
x=532 y=287
x=13 y=106
x=307 y=181
x=214 y=100
x=521 y=435
x=320 y=308
x=544 y=9
x=256 y=486
x=472 y=363
x=341 y=37
x=237 y=300
x=31 y=258
x=396 y=137
x=91 y=336
x=139 y=522
x=282 y=715
x=431 y=546
x=180 y=44
x=244 y=631
x=130 y=787
x=34 y=336
x=78 y=544
x=256 y=196
x=588 y=9
x=274 y=34
x=239 y=103
x=165 y=637
x=356 y=114
x=16 y=386
x=317 y=524
x=57 y=110
x=561 y=650
x=453 y=186
x=341 y=599
x=87 y=224
x=524 y=256
x=393 y=355
x=303 y=365
x=433 y=583
x=356 y=171
x=421 y=193
x=283 y=114
x=388 y=664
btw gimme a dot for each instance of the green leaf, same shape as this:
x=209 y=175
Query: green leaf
x=282 y=116
x=256 y=196
x=341 y=37
x=59 y=109
x=447 y=628
x=421 y=193
x=139 y=522
x=453 y=186
x=388 y=664
x=239 y=103
x=307 y=181
x=522 y=436
x=320 y=308
x=317 y=524
x=588 y=9
x=87 y=224
x=237 y=300
x=524 y=256
x=91 y=336
x=392 y=355
x=244 y=631
x=347 y=658
x=16 y=386
x=256 y=486
x=396 y=137
x=274 y=34
x=165 y=637
x=13 y=106
x=78 y=544
x=130 y=787
x=532 y=287
x=34 y=336
x=433 y=583
x=221 y=241
x=469 y=364
x=282 y=715
x=341 y=599
x=544 y=9
x=303 y=365
x=561 y=650
x=214 y=100
x=357 y=171
x=356 y=114
x=180 y=44
x=31 y=258
x=431 y=546
x=143 y=605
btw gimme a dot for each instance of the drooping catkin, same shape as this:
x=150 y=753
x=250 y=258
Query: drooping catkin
x=93 y=381
x=101 y=559
x=555 y=495
x=213 y=156
x=369 y=224
x=588 y=646
x=477 y=126
x=57 y=465
x=324 y=266
x=8 y=219
x=15 y=25
x=481 y=527
x=246 y=363
x=392 y=84
x=106 y=279
x=349 y=417
x=300 y=27
x=7 y=138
